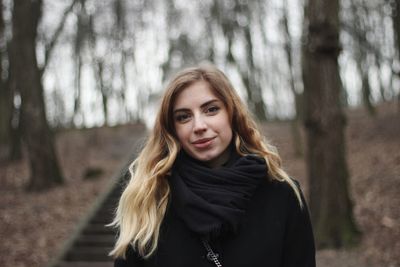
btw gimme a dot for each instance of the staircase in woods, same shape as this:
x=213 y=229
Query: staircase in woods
x=91 y=243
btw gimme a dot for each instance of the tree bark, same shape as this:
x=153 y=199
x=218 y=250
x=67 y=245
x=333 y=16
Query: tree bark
x=51 y=45
x=247 y=69
x=296 y=121
x=366 y=92
x=45 y=171
x=15 y=152
x=253 y=89
x=6 y=100
x=396 y=26
x=330 y=205
x=361 y=58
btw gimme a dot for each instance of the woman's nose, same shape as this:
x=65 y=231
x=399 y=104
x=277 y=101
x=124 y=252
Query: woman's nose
x=199 y=124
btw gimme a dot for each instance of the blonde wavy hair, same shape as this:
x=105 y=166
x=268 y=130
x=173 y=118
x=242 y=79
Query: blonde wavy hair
x=143 y=203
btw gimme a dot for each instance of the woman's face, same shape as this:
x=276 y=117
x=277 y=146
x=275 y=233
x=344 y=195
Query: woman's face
x=202 y=124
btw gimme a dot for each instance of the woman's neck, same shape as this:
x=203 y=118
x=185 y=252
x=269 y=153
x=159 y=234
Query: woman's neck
x=221 y=159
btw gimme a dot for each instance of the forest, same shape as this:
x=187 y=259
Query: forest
x=85 y=68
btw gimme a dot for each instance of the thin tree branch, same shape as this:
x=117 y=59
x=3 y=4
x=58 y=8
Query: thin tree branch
x=363 y=42
x=56 y=35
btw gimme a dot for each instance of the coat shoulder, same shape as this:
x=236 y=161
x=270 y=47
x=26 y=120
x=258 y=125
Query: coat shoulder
x=280 y=195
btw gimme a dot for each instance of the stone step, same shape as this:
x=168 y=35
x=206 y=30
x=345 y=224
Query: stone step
x=89 y=254
x=98 y=229
x=95 y=240
x=86 y=264
x=101 y=220
x=104 y=215
x=110 y=205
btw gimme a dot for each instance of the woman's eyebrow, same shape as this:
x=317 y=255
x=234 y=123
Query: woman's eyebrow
x=202 y=105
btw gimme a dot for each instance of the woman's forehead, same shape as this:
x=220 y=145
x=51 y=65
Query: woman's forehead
x=194 y=95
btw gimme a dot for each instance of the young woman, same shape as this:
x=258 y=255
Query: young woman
x=207 y=190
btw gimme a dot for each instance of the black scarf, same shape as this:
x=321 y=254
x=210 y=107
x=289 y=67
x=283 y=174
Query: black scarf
x=212 y=201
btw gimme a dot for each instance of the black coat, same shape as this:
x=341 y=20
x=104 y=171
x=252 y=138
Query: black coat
x=275 y=232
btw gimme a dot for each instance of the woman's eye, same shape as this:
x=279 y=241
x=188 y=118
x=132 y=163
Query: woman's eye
x=182 y=117
x=212 y=109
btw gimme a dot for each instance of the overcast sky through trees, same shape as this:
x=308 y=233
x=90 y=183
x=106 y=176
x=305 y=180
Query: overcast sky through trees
x=136 y=56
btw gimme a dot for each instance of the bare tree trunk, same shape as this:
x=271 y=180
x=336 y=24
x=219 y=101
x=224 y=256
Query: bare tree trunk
x=248 y=71
x=6 y=99
x=50 y=46
x=396 y=25
x=81 y=35
x=120 y=35
x=78 y=114
x=396 y=22
x=382 y=86
x=99 y=69
x=361 y=57
x=295 y=122
x=15 y=152
x=124 y=56
x=45 y=171
x=366 y=92
x=253 y=89
x=330 y=205
x=102 y=87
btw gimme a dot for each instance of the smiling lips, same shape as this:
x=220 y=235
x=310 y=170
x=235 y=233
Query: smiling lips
x=203 y=143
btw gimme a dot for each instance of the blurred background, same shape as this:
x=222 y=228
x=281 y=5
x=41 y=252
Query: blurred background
x=80 y=83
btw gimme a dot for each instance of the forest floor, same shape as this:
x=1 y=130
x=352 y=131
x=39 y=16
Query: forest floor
x=373 y=156
x=34 y=226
